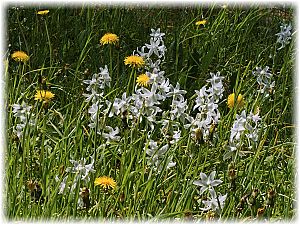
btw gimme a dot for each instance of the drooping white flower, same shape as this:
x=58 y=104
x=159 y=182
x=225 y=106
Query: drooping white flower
x=178 y=106
x=63 y=184
x=157 y=155
x=215 y=203
x=175 y=91
x=81 y=169
x=24 y=117
x=265 y=80
x=243 y=126
x=216 y=90
x=111 y=135
x=284 y=36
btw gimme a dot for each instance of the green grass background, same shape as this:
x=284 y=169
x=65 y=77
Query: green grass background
x=64 y=50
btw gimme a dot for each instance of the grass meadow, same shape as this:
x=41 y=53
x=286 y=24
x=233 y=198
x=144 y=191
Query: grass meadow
x=150 y=113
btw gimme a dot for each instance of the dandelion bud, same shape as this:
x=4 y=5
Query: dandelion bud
x=188 y=215
x=260 y=212
x=87 y=72
x=231 y=171
x=210 y=215
x=252 y=199
x=122 y=197
x=240 y=207
x=85 y=195
x=271 y=194
x=31 y=185
x=211 y=131
x=36 y=192
x=270 y=198
x=199 y=136
x=254 y=192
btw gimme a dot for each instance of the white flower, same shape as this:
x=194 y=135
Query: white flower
x=254 y=117
x=207 y=182
x=142 y=53
x=93 y=83
x=115 y=108
x=201 y=99
x=238 y=126
x=81 y=170
x=156 y=76
x=175 y=91
x=243 y=126
x=111 y=135
x=214 y=203
x=264 y=79
x=153 y=47
x=104 y=78
x=26 y=117
x=154 y=65
x=216 y=90
x=150 y=97
x=176 y=137
x=62 y=185
x=94 y=96
x=284 y=35
x=157 y=33
x=119 y=105
x=157 y=155
x=99 y=81
x=21 y=111
x=94 y=111
x=19 y=130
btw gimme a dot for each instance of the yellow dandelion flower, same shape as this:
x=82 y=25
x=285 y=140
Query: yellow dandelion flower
x=143 y=80
x=105 y=182
x=42 y=95
x=201 y=22
x=42 y=12
x=231 y=101
x=134 y=61
x=20 y=56
x=109 y=38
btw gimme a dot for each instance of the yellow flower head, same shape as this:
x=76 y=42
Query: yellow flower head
x=20 y=56
x=105 y=182
x=143 y=80
x=231 y=101
x=42 y=95
x=109 y=38
x=201 y=22
x=42 y=12
x=134 y=61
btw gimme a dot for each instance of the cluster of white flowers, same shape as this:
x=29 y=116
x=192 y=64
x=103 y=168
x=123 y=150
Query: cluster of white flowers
x=284 y=36
x=156 y=46
x=81 y=171
x=96 y=88
x=265 y=80
x=97 y=85
x=25 y=116
x=214 y=202
x=145 y=103
x=207 y=105
x=243 y=126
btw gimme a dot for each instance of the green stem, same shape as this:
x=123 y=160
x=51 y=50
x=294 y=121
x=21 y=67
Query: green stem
x=110 y=63
x=129 y=81
x=49 y=43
